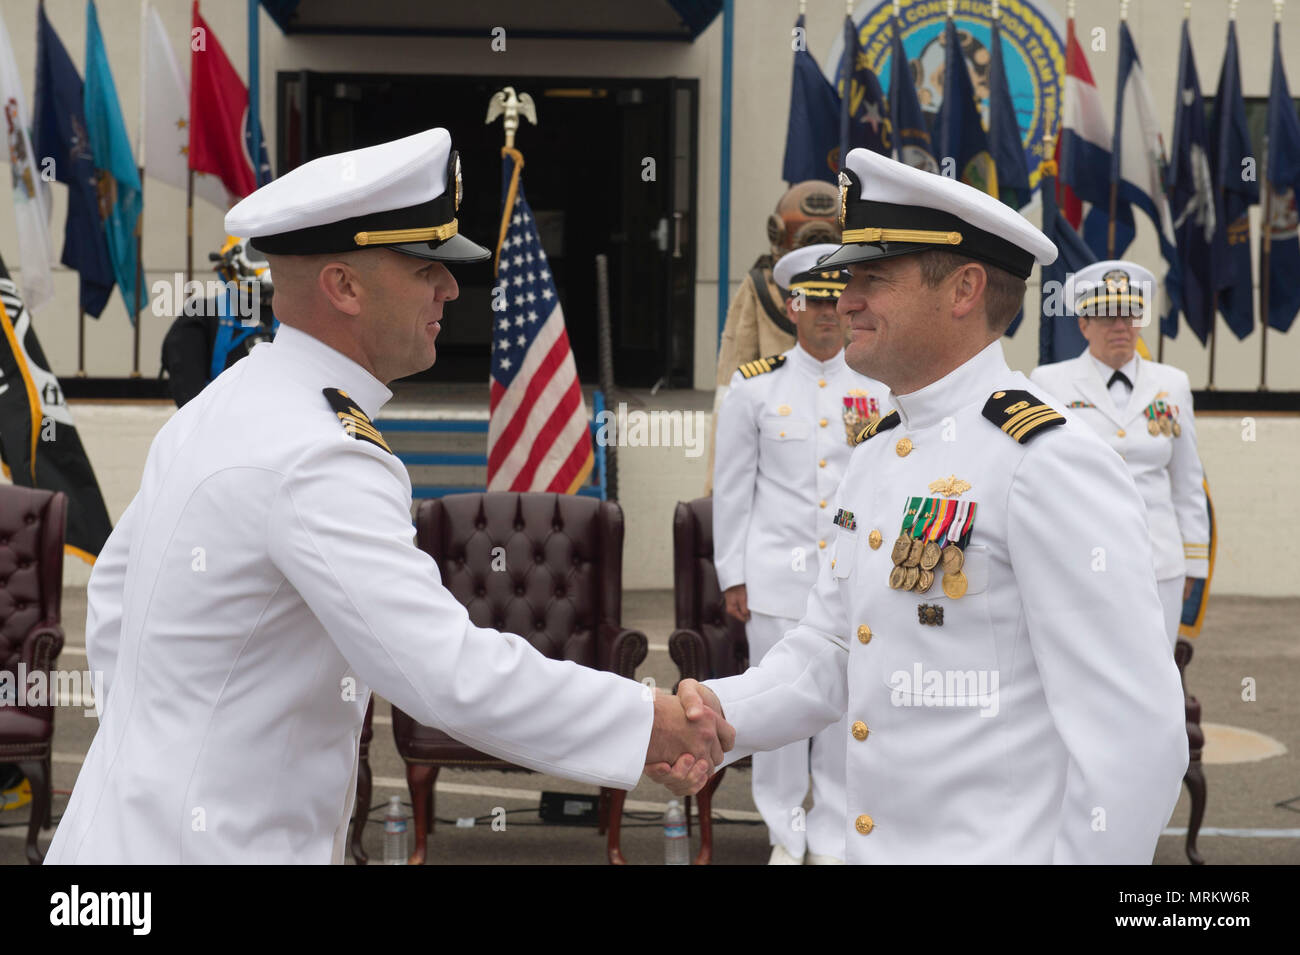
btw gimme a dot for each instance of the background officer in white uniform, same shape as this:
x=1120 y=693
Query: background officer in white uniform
x=265 y=578
x=991 y=624
x=785 y=430
x=1143 y=410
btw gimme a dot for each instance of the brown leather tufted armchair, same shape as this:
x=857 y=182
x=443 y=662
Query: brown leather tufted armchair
x=31 y=593
x=707 y=643
x=561 y=589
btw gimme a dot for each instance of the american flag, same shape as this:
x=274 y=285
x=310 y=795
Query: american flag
x=537 y=434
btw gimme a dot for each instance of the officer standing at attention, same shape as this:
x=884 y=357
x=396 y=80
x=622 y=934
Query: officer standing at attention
x=785 y=430
x=757 y=323
x=989 y=619
x=1143 y=410
x=265 y=578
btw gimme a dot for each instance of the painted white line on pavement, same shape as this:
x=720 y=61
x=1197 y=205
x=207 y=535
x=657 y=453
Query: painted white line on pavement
x=1238 y=833
x=534 y=795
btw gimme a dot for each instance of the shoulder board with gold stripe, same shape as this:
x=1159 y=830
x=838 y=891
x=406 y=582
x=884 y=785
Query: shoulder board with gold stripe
x=761 y=366
x=890 y=420
x=355 y=421
x=1020 y=414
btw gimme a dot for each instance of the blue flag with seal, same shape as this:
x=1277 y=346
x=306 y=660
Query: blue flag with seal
x=59 y=133
x=1194 y=202
x=912 y=144
x=1283 y=179
x=960 y=134
x=1005 y=144
x=864 y=114
x=118 y=181
x=1059 y=337
x=1233 y=162
x=812 y=134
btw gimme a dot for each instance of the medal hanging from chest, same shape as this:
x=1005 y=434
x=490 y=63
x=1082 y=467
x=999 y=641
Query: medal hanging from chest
x=933 y=532
x=859 y=411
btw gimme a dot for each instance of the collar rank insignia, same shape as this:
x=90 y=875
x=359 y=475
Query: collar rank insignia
x=761 y=366
x=1021 y=415
x=845 y=520
x=890 y=420
x=355 y=421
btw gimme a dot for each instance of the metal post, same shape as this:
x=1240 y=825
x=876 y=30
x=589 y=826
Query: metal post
x=724 y=169
x=254 y=94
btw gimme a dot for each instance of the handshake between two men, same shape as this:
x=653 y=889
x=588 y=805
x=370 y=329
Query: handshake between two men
x=688 y=739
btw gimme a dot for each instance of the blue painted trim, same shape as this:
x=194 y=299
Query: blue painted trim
x=724 y=168
x=421 y=425
x=434 y=458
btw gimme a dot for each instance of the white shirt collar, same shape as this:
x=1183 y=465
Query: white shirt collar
x=338 y=370
x=1129 y=368
x=969 y=381
x=801 y=359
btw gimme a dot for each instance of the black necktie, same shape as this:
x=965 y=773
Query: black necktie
x=1120 y=376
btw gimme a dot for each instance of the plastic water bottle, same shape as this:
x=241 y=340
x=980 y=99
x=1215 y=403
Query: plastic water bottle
x=677 y=846
x=395 y=848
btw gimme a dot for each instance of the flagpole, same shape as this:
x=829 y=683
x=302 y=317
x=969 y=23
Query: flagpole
x=139 y=226
x=1114 y=181
x=189 y=225
x=81 y=342
x=1265 y=252
x=139 y=277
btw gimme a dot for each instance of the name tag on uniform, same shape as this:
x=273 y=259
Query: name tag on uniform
x=845 y=520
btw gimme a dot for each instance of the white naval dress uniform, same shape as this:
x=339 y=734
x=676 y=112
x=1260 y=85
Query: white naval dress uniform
x=1165 y=466
x=1077 y=754
x=782 y=449
x=260 y=584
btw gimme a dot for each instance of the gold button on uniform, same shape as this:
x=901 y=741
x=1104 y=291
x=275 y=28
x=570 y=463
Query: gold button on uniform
x=821 y=544
x=904 y=447
x=782 y=434
x=860 y=731
x=864 y=634
x=821 y=382
x=864 y=824
x=822 y=422
x=821 y=463
x=822 y=504
x=1120 y=433
x=874 y=539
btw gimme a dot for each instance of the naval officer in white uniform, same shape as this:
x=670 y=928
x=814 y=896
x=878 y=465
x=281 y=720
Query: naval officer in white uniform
x=1142 y=409
x=264 y=580
x=785 y=430
x=989 y=620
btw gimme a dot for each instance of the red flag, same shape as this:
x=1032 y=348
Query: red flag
x=218 y=113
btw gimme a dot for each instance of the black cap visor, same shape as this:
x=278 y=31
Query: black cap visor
x=456 y=249
x=858 y=252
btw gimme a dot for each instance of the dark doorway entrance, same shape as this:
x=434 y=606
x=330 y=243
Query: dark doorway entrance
x=609 y=169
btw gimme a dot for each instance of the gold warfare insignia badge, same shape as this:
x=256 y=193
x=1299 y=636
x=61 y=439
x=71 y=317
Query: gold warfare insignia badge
x=951 y=486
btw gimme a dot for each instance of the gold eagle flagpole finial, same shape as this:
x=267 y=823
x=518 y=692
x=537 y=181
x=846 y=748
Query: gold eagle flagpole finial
x=506 y=103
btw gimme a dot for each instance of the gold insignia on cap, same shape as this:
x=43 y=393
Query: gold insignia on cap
x=460 y=188
x=845 y=182
x=951 y=486
x=389 y=236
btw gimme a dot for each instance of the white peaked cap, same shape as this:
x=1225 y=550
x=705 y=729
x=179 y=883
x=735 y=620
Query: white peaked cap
x=888 y=208
x=402 y=195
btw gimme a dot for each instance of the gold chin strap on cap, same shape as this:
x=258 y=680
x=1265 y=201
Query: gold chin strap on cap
x=390 y=236
x=901 y=235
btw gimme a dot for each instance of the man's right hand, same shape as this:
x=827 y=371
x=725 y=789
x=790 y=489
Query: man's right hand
x=736 y=600
x=686 y=774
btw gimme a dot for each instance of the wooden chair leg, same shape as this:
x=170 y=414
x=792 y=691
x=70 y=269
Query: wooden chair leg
x=705 y=855
x=361 y=811
x=612 y=847
x=1195 y=781
x=602 y=811
x=37 y=774
x=420 y=778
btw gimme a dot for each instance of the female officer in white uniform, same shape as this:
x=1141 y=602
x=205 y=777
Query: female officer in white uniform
x=1143 y=410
